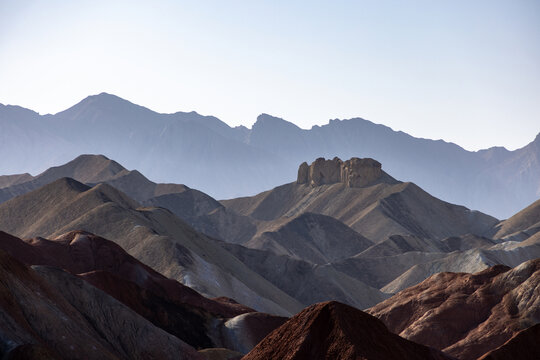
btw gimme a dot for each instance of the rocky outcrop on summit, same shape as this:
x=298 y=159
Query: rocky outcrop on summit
x=364 y=197
x=466 y=315
x=353 y=173
x=333 y=330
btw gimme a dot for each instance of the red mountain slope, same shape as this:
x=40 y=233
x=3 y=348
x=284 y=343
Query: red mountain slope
x=466 y=315
x=332 y=330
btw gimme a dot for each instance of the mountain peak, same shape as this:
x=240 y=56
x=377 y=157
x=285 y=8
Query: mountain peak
x=332 y=330
x=104 y=102
x=87 y=168
x=266 y=121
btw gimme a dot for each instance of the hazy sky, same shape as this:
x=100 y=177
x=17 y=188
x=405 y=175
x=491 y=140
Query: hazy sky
x=464 y=71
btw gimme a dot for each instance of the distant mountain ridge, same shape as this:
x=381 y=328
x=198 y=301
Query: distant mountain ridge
x=205 y=153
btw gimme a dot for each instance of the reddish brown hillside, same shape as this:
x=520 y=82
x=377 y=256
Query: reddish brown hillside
x=81 y=252
x=47 y=313
x=332 y=330
x=466 y=315
x=523 y=346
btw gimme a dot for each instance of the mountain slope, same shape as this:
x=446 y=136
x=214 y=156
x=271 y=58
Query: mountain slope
x=336 y=331
x=50 y=312
x=523 y=346
x=469 y=313
x=308 y=283
x=152 y=235
x=521 y=225
x=377 y=210
x=91 y=170
x=311 y=237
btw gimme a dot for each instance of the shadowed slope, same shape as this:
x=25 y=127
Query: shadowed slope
x=166 y=303
x=312 y=237
x=307 y=282
x=152 y=235
x=73 y=319
x=523 y=346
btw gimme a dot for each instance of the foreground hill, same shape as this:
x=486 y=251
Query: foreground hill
x=466 y=315
x=193 y=149
x=336 y=331
x=50 y=314
x=523 y=346
x=169 y=305
x=366 y=199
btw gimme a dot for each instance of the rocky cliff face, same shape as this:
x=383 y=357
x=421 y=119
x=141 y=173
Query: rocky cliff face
x=353 y=173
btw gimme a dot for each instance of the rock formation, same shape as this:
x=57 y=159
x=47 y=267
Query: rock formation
x=353 y=173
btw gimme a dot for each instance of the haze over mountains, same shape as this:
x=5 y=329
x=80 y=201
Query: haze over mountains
x=353 y=233
x=225 y=162
x=346 y=235
x=88 y=237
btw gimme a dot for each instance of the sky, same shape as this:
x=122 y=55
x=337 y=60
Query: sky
x=462 y=71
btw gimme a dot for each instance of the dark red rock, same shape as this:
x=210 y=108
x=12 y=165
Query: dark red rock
x=523 y=346
x=81 y=252
x=166 y=303
x=47 y=313
x=332 y=330
x=466 y=315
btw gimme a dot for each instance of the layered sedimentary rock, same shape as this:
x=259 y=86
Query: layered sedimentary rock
x=466 y=315
x=353 y=173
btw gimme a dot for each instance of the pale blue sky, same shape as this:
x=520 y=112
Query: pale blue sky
x=464 y=71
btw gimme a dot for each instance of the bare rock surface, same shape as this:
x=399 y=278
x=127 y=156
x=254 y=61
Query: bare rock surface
x=466 y=315
x=152 y=235
x=333 y=330
x=220 y=354
x=522 y=346
x=308 y=283
x=243 y=332
x=380 y=208
x=47 y=311
x=521 y=225
x=312 y=237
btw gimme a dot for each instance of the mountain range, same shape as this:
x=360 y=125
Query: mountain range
x=224 y=162
x=355 y=239
x=358 y=250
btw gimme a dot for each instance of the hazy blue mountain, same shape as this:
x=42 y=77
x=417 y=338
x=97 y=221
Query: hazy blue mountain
x=205 y=153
